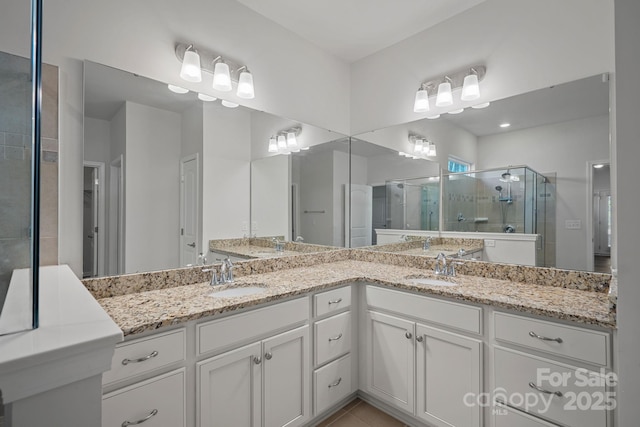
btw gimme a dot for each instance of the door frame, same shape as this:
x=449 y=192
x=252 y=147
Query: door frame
x=590 y=206
x=101 y=247
x=191 y=157
x=116 y=216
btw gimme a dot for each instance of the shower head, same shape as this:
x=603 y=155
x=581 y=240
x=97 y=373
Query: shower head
x=506 y=177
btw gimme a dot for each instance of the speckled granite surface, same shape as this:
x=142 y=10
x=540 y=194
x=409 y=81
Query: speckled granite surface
x=153 y=309
x=449 y=245
x=263 y=247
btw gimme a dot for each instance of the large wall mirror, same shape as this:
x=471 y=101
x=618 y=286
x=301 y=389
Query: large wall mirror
x=535 y=163
x=166 y=172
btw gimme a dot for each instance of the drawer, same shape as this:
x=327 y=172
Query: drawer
x=249 y=326
x=331 y=301
x=160 y=399
x=577 y=343
x=332 y=337
x=139 y=356
x=514 y=371
x=332 y=383
x=507 y=417
x=459 y=316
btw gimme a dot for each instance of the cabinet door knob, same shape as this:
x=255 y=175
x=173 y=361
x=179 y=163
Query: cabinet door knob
x=534 y=335
x=257 y=360
x=147 y=418
x=409 y=335
x=141 y=359
x=419 y=338
x=268 y=356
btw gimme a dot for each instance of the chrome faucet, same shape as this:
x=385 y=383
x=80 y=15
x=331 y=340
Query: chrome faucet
x=229 y=267
x=426 y=245
x=215 y=280
x=441 y=259
x=277 y=244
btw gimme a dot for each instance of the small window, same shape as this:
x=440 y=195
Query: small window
x=457 y=165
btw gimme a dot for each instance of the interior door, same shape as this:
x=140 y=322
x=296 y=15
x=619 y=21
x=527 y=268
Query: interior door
x=361 y=210
x=189 y=210
x=379 y=207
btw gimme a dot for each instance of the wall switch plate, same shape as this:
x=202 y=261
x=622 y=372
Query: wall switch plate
x=490 y=243
x=573 y=224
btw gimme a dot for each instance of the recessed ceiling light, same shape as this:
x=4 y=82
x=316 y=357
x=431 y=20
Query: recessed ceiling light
x=598 y=166
x=505 y=125
x=206 y=98
x=437 y=116
x=458 y=111
x=177 y=89
x=483 y=105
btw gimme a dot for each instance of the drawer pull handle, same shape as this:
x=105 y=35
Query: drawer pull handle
x=409 y=335
x=147 y=418
x=336 y=384
x=335 y=301
x=534 y=335
x=257 y=360
x=419 y=338
x=142 y=359
x=336 y=338
x=268 y=356
x=541 y=390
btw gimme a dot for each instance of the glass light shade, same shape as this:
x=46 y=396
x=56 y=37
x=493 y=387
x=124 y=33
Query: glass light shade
x=273 y=145
x=418 y=147
x=421 y=103
x=291 y=140
x=229 y=104
x=221 y=77
x=444 y=97
x=282 y=142
x=245 y=86
x=206 y=98
x=432 y=150
x=177 y=89
x=190 y=70
x=470 y=88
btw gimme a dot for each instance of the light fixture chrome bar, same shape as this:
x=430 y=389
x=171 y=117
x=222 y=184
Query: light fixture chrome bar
x=456 y=79
x=209 y=58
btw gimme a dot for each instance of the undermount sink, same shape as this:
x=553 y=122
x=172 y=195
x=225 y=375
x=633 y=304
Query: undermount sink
x=239 y=291
x=430 y=281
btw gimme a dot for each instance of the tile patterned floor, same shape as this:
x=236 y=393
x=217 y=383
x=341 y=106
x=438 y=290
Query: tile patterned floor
x=360 y=414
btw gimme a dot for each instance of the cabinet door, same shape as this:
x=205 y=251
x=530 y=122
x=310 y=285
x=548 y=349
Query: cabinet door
x=389 y=359
x=448 y=368
x=229 y=387
x=286 y=379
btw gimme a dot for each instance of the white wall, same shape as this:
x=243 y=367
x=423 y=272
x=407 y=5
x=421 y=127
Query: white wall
x=625 y=155
x=340 y=186
x=192 y=137
x=152 y=181
x=563 y=148
x=526 y=45
x=270 y=188
x=226 y=172
x=316 y=194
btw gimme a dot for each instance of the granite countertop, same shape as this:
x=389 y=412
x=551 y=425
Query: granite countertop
x=434 y=250
x=145 y=311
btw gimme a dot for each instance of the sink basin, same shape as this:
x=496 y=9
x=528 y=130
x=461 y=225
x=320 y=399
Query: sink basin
x=240 y=291
x=429 y=281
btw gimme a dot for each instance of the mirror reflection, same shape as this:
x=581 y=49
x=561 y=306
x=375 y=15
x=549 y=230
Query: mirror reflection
x=166 y=173
x=542 y=199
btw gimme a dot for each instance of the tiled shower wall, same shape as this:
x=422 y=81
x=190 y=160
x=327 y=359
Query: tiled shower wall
x=15 y=166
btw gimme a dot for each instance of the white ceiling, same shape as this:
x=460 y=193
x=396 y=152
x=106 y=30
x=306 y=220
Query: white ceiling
x=353 y=29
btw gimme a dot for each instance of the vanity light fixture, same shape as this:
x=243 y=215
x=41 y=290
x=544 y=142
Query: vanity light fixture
x=190 y=70
x=444 y=98
x=468 y=80
x=177 y=89
x=206 y=98
x=418 y=146
x=286 y=141
x=225 y=72
x=421 y=147
x=431 y=152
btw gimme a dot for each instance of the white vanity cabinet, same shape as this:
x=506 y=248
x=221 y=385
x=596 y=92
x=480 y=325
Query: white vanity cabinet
x=417 y=366
x=333 y=329
x=263 y=383
x=561 y=371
